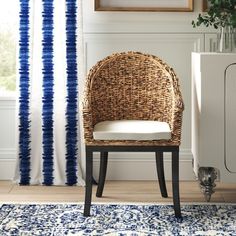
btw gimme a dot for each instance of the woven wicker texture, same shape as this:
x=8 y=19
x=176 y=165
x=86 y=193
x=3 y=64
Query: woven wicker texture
x=132 y=86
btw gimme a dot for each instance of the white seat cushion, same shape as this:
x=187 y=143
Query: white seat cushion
x=132 y=130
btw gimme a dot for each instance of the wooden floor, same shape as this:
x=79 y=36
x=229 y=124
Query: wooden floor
x=115 y=191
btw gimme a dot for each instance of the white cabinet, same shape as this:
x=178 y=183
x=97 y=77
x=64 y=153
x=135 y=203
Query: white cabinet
x=230 y=119
x=214 y=117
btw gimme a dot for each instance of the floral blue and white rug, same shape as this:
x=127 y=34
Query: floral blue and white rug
x=116 y=219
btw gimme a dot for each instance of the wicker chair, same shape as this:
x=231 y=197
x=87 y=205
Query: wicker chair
x=132 y=86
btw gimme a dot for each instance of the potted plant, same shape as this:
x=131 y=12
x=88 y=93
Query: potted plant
x=221 y=14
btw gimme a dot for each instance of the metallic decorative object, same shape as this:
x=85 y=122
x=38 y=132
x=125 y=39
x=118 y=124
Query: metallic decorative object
x=226 y=40
x=207 y=177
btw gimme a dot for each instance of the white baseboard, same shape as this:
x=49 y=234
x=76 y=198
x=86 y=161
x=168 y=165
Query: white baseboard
x=142 y=166
x=7 y=163
x=121 y=166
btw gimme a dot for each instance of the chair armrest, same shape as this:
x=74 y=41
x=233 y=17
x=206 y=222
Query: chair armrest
x=87 y=121
x=177 y=114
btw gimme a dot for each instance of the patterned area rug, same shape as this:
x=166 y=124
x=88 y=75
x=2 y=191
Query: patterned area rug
x=116 y=219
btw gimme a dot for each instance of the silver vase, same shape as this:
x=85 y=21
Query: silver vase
x=226 y=40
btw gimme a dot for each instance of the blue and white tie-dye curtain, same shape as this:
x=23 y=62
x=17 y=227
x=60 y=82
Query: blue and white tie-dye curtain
x=48 y=93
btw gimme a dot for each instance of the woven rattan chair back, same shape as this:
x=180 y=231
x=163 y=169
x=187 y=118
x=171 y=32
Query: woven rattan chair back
x=132 y=86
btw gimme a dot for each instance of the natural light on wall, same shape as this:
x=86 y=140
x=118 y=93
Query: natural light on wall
x=8 y=42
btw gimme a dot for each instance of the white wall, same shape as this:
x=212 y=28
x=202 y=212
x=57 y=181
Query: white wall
x=7 y=138
x=167 y=35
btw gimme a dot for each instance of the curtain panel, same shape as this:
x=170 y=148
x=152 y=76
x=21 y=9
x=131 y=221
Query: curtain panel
x=48 y=128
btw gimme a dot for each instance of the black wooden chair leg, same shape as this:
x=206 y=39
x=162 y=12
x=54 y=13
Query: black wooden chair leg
x=102 y=173
x=89 y=180
x=94 y=182
x=175 y=183
x=161 y=174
